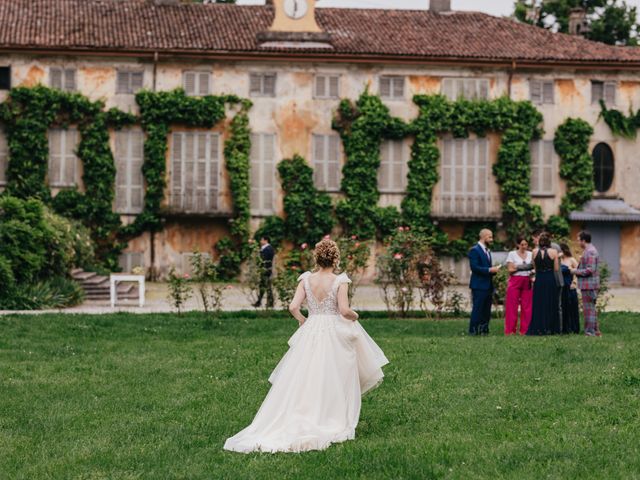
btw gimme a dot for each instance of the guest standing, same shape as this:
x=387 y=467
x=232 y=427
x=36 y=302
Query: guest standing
x=570 y=310
x=545 y=315
x=481 y=283
x=588 y=283
x=266 y=254
x=519 y=293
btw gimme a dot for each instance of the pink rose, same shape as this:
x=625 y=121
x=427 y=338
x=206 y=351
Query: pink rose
x=398 y=256
x=401 y=229
x=186 y=276
x=357 y=244
x=353 y=237
x=304 y=246
x=327 y=237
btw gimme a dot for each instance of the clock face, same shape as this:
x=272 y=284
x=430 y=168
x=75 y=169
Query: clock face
x=295 y=8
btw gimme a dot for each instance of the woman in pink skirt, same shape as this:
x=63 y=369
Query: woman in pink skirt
x=519 y=292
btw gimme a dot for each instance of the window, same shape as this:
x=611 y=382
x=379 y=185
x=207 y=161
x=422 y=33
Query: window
x=129 y=181
x=129 y=82
x=392 y=174
x=327 y=86
x=196 y=83
x=63 y=79
x=541 y=91
x=603 y=167
x=326 y=162
x=263 y=173
x=467 y=88
x=603 y=91
x=392 y=87
x=128 y=261
x=63 y=162
x=542 y=168
x=262 y=84
x=4 y=158
x=5 y=78
x=464 y=180
x=195 y=172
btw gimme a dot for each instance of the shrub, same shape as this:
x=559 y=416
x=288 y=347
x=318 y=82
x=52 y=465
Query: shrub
x=604 y=296
x=56 y=292
x=205 y=276
x=354 y=258
x=434 y=282
x=179 y=290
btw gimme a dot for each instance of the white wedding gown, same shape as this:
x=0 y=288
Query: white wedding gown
x=316 y=388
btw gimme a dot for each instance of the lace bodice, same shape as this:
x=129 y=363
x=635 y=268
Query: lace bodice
x=329 y=305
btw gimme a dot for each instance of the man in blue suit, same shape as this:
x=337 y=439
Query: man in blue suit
x=481 y=283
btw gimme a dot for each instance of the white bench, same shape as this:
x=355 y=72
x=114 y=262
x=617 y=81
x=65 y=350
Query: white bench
x=114 y=278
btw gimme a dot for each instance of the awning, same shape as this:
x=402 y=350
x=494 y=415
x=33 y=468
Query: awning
x=606 y=210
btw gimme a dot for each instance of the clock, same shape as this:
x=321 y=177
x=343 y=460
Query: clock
x=295 y=9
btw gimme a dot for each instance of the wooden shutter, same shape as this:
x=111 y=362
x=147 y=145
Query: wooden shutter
x=255 y=84
x=542 y=167
x=127 y=261
x=55 y=78
x=398 y=87
x=609 y=93
x=129 y=158
x=269 y=85
x=55 y=156
x=321 y=90
x=334 y=86
x=136 y=81
x=319 y=162
x=447 y=88
x=70 y=160
x=385 y=87
x=333 y=163
x=189 y=83
x=535 y=167
x=177 y=176
x=204 y=83
x=70 y=79
x=548 y=92
x=384 y=171
x=262 y=173
x=458 y=88
x=122 y=82
x=483 y=89
x=597 y=91
x=268 y=173
x=469 y=88
x=121 y=161
x=535 y=91
x=4 y=157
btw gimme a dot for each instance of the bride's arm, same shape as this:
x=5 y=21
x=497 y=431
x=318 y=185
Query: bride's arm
x=296 y=303
x=343 y=303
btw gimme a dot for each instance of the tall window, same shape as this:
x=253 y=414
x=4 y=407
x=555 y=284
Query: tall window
x=327 y=86
x=543 y=167
x=467 y=88
x=541 y=91
x=5 y=78
x=63 y=162
x=263 y=173
x=392 y=87
x=262 y=84
x=603 y=167
x=129 y=81
x=129 y=181
x=464 y=183
x=326 y=162
x=603 y=91
x=392 y=174
x=63 y=78
x=4 y=158
x=195 y=172
x=196 y=83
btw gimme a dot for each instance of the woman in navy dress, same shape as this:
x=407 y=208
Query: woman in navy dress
x=545 y=317
x=570 y=309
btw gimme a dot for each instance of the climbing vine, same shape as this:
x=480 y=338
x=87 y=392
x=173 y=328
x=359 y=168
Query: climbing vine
x=364 y=125
x=620 y=124
x=30 y=112
x=576 y=167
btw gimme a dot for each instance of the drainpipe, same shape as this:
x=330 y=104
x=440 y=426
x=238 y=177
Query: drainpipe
x=152 y=235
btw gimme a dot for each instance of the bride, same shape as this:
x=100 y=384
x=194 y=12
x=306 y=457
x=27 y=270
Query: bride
x=316 y=388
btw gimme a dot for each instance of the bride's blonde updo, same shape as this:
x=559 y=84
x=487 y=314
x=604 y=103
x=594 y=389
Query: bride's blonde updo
x=327 y=253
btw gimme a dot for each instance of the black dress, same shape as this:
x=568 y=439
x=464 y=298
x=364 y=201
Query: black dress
x=545 y=317
x=570 y=309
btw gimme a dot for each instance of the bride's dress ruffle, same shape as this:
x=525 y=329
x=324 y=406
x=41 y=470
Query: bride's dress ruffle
x=317 y=386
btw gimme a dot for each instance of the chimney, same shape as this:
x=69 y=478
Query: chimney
x=440 y=6
x=578 y=23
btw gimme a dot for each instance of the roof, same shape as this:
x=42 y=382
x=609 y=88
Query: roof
x=606 y=210
x=223 y=29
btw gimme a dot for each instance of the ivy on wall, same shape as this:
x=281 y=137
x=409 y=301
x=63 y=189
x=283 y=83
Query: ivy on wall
x=625 y=126
x=571 y=142
x=364 y=125
x=30 y=112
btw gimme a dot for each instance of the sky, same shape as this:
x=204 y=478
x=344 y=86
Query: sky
x=494 y=7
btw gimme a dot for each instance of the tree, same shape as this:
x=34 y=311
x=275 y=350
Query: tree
x=609 y=21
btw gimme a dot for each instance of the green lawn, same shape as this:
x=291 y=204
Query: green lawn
x=155 y=396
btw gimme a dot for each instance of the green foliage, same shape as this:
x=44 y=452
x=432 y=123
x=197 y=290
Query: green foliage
x=354 y=259
x=571 y=142
x=296 y=261
x=55 y=292
x=179 y=290
x=273 y=228
x=205 y=276
x=620 y=124
x=610 y=21
x=308 y=215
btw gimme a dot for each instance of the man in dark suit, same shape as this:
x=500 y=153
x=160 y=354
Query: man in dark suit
x=267 y=253
x=481 y=283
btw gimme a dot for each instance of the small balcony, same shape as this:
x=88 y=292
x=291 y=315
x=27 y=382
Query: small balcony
x=466 y=207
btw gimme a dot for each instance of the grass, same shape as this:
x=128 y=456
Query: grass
x=154 y=397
